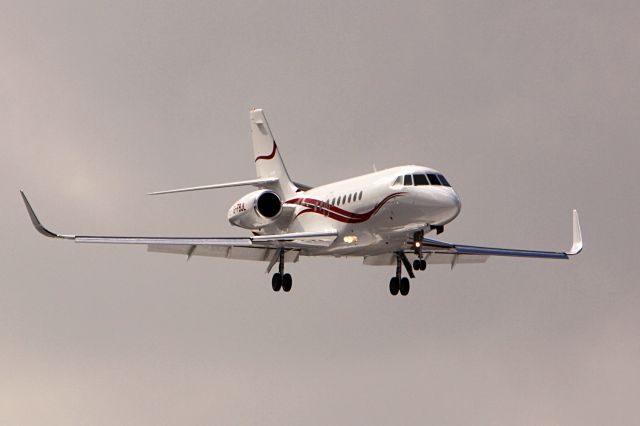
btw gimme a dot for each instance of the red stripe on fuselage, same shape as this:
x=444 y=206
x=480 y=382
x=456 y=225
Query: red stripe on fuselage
x=270 y=156
x=336 y=213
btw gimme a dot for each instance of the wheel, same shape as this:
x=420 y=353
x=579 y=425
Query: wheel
x=394 y=286
x=416 y=264
x=423 y=264
x=286 y=282
x=404 y=286
x=276 y=281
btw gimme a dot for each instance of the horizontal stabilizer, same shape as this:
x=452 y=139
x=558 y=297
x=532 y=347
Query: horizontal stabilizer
x=260 y=183
x=302 y=186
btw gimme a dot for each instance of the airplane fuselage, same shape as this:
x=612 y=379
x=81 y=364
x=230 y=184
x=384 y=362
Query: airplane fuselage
x=372 y=212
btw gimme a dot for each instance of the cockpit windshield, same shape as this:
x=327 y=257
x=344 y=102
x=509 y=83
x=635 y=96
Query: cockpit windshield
x=419 y=179
x=433 y=179
x=443 y=180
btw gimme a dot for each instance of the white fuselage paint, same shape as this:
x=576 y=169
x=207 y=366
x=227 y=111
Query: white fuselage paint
x=381 y=221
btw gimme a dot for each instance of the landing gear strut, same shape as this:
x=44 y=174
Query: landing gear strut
x=280 y=279
x=399 y=283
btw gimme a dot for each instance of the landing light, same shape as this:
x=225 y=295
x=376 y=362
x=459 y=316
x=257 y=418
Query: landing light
x=418 y=244
x=349 y=239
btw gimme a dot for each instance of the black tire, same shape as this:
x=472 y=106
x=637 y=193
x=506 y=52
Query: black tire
x=423 y=264
x=394 y=286
x=416 y=264
x=287 y=282
x=276 y=281
x=404 y=286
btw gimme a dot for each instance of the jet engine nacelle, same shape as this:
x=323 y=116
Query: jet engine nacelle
x=255 y=210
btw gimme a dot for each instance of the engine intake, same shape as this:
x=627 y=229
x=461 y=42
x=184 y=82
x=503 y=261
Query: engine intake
x=255 y=210
x=268 y=205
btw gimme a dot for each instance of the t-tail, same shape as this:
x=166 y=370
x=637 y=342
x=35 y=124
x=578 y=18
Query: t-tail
x=267 y=157
x=270 y=170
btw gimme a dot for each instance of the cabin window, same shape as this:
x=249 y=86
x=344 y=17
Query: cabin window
x=338 y=202
x=420 y=179
x=443 y=180
x=433 y=178
x=360 y=196
x=333 y=200
x=344 y=199
x=349 y=199
x=407 y=180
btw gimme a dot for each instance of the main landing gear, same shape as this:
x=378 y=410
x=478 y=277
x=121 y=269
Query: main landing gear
x=399 y=283
x=280 y=280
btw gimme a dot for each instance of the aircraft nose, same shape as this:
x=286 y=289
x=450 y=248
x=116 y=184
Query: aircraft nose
x=455 y=205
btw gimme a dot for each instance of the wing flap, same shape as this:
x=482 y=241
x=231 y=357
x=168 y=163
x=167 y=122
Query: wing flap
x=263 y=254
x=432 y=258
x=186 y=241
x=451 y=259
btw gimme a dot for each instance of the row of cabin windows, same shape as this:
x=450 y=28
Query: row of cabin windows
x=336 y=201
x=422 y=179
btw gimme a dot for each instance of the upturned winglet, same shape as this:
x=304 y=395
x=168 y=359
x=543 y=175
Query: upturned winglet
x=576 y=247
x=36 y=223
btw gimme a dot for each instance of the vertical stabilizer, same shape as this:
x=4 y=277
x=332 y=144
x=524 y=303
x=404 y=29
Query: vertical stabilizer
x=267 y=156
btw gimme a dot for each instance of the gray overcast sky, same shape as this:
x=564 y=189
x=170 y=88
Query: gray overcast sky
x=529 y=108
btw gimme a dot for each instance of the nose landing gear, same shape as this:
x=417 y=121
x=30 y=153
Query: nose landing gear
x=419 y=264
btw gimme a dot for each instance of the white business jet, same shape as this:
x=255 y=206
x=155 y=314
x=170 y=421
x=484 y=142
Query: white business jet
x=382 y=217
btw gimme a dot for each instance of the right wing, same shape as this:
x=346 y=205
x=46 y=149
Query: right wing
x=262 y=247
x=302 y=186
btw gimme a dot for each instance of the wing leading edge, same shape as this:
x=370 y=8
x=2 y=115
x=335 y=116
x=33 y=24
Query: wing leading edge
x=250 y=248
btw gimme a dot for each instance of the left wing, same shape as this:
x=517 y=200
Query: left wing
x=443 y=252
x=440 y=252
x=260 y=247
